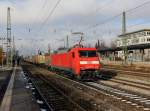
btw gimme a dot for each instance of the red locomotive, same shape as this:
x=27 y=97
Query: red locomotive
x=78 y=61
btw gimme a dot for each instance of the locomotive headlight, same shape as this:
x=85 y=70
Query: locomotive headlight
x=95 y=62
x=89 y=62
x=83 y=62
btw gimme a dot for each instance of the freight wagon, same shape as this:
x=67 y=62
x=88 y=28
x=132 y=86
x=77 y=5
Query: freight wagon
x=39 y=59
x=47 y=59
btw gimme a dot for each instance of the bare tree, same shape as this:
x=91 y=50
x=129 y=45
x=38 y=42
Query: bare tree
x=113 y=44
x=101 y=44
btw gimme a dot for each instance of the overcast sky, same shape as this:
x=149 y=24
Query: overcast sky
x=33 y=28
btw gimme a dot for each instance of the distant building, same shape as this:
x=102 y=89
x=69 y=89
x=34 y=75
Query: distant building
x=137 y=44
x=134 y=38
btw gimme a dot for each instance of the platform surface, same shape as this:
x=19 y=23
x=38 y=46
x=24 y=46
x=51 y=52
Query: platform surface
x=5 y=69
x=17 y=97
x=3 y=75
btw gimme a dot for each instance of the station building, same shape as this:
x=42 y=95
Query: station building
x=137 y=44
x=134 y=45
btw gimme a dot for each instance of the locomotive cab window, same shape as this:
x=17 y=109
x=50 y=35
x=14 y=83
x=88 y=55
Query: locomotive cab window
x=87 y=54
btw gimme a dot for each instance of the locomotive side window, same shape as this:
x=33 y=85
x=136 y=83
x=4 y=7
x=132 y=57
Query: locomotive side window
x=87 y=54
x=73 y=55
x=83 y=53
x=92 y=54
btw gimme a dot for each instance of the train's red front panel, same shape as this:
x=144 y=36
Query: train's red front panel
x=89 y=63
x=88 y=59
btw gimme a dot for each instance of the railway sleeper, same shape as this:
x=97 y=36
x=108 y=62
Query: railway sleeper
x=54 y=100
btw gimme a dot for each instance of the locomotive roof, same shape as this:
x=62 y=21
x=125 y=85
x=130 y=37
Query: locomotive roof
x=82 y=48
x=86 y=48
x=75 y=48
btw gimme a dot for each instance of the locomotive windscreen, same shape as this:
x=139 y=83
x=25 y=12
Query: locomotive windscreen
x=86 y=53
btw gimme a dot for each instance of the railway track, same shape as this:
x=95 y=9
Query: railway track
x=136 y=84
x=139 y=101
x=126 y=72
x=54 y=99
x=132 y=83
x=123 y=95
x=130 y=68
x=127 y=96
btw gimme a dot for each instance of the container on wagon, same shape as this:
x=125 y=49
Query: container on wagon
x=39 y=59
x=47 y=59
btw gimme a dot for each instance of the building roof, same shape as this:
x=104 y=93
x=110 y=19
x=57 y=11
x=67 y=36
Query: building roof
x=142 y=30
x=131 y=47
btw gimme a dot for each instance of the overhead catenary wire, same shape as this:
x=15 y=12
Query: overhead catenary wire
x=104 y=22
x=37 y=17
x=93 y=12
x=130 y=26
x=132 y=10
x=105 y=5
x=42 y=25
x=139 y=6
x=112 y=18
x=48 y=17
x=42 y=7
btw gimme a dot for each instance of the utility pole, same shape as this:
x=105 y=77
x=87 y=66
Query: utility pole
x=98 y=44
x=13 y=47
x=125 y=50
x=8 y=55
x=49 y=49
x=2 y=53
x=123 y=23
x=67 y=44
x=64 y=43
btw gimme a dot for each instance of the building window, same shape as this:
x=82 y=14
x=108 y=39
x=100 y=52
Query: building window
x=128 y=42
x=135 y=40
x=148 y=39
x=148 y=33
x=144 y=33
